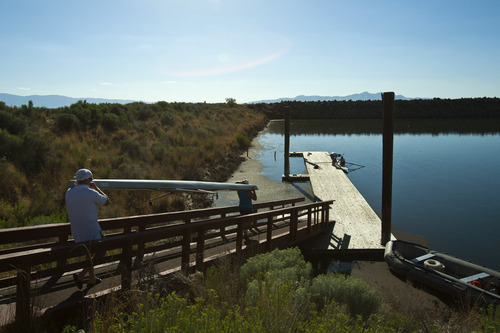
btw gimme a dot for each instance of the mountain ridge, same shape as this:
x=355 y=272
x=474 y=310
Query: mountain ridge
x=364 y=96
x=56 y=101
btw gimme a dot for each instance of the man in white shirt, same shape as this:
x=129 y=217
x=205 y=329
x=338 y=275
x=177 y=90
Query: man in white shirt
x=82 y=205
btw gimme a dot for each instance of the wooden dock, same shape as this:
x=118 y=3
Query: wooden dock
x=357 y=228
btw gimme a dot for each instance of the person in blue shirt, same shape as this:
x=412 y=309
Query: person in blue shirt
x=82 y=204
x=246 y=197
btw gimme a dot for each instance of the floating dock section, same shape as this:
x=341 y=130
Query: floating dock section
x=357 y=227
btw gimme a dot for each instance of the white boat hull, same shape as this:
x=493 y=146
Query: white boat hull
x=166 y=185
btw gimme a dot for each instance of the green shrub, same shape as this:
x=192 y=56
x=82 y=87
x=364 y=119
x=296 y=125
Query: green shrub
x=167 y=119
x=276 y=304
x=217 y=280
x=67 y=122
x=132 y=148
x=490 y=319
x=287 y=265
x=277 y=295
x=175 y=314
x=14 y=125
x=332 y=318
x=159 y=151
x=360 y=298
x=242 y=140
x=110 y=122
x=9 y=145
x=81 y=111
x=35 y=153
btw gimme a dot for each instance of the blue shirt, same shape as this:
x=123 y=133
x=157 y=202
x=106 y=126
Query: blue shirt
x=82 y=205
x=245 y=202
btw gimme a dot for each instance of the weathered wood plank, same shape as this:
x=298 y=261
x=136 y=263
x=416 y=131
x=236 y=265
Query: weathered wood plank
x=357 y=226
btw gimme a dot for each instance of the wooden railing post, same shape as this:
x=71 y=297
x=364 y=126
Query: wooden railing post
x=293 y=224
x=23 y=296
x=309 y=219
x=200 y=249
x=126 y=265
x=186 y=247
x=325 y=214
x=239 y=236
x=316 y=217
x=223 y=229
x=140 y=249
x=62 y=262
x=269 y=232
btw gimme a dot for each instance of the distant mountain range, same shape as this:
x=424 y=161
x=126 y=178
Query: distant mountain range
x=56 y=101
x=364 y=96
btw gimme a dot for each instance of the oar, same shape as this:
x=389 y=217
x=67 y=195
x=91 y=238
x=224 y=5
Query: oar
x=355 y=164
x=315 y=165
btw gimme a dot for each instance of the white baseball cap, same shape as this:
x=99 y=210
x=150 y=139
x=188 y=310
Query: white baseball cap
x=83 y=174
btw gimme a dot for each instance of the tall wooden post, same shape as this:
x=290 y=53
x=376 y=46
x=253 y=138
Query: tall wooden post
x=387 y=156
x=287 y=143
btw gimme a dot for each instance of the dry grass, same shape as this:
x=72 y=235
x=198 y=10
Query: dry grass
x=157 y=141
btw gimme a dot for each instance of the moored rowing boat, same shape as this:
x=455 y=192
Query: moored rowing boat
x=456 y=277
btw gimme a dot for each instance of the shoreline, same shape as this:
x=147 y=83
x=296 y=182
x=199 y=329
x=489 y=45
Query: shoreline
x=250 y=169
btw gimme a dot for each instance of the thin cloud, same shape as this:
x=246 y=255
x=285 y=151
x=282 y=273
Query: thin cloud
x=232 y=68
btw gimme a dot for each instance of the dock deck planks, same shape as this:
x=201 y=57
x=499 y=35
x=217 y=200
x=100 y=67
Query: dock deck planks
x=357 y=226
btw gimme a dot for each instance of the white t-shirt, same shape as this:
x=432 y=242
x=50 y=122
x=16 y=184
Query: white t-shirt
x=82 y=204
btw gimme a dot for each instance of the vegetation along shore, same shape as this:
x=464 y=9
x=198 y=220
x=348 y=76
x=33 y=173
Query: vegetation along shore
x=41 y=148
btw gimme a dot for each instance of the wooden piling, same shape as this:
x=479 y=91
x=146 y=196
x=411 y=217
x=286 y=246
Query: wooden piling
x=387 y=157
x=287 y=143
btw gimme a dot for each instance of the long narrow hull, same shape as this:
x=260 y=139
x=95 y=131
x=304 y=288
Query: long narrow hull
x=458 y=278
x=166 y=185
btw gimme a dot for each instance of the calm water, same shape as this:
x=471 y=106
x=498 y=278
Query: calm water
x=446 y=175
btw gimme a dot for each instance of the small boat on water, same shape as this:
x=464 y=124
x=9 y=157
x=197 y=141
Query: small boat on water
x=456 y=277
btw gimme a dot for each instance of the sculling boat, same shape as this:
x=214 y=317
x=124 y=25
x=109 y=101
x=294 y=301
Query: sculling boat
x=168 y=186
x=456 y=277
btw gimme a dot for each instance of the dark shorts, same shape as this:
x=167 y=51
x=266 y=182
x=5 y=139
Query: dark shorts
x=245 y=211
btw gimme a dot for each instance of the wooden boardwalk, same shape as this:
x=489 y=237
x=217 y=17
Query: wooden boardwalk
x=37 y=262
x=357 y=227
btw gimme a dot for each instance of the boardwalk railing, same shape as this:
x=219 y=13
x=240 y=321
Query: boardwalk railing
x=187 y=240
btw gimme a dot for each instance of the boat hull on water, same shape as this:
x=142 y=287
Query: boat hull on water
x=458 y=278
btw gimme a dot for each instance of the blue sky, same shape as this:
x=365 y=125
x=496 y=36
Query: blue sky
x=210 y=50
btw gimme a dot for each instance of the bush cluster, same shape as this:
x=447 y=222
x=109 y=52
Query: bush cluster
x=224 y=300
x=270 y=293
x=273 y=292
x=41 y=149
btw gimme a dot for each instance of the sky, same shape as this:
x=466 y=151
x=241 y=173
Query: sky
x=249 y=50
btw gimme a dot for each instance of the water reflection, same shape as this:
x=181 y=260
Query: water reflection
x=446 y=175
x=374 y=126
